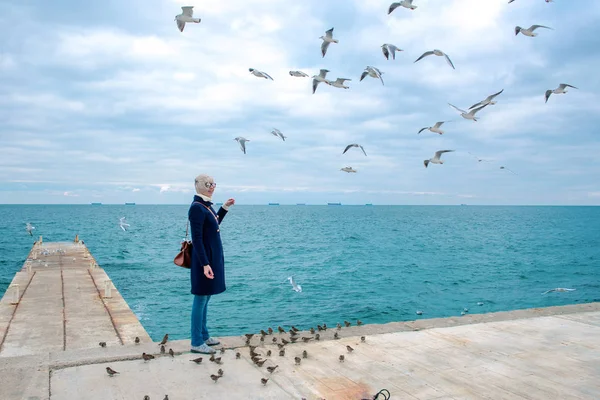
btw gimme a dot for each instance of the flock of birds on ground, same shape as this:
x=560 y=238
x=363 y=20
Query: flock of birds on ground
x=388 y=50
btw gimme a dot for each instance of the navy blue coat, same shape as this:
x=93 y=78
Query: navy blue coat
x=208 y=248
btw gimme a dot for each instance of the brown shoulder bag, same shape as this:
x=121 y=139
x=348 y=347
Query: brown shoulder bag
x=184 y=257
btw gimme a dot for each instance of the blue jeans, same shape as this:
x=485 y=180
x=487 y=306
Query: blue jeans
x=199 y=329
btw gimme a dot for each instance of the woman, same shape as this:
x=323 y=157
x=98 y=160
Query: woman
x=208 y=264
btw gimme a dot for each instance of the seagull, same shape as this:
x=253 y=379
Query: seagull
x=277 y=132
x=319 y=78
x=479 y=159
x=298 y=74
x=372 y=72
x=488 y=100
x=348 y=169
x=559 y=289
x=242 y=141
x=529 y=31
x=354 y=145
x=29 y=228
x=470 y=114
x=327 y=39
x=559 y=90
x=435 y=128
x=187 y=15
x=124 y=225
x=259 y=74
x=387 y=48
x=436 y=158
x=438 y=53
x=403 y=3
x=508 y=170
x=339 y=83
x=295 y=286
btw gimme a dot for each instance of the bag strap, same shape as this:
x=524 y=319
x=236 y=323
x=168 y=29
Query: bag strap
x=188 y=221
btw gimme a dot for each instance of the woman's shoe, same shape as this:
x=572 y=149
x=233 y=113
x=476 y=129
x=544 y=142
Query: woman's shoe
x=211 y=341
x=204 y=349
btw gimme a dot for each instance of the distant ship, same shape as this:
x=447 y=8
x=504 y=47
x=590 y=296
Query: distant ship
x=369 y=204
x=96 y=204
x=334 y=204
x=300 y=204
x=273 y=204
x=130 y=204
x=463 y=204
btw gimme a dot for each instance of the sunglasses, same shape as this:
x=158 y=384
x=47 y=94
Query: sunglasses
x=209 y=185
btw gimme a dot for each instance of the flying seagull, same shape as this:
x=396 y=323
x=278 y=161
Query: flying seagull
x=479 y=159
x=259 y=74
x=436 y=158
x=559 y=289
x=124 y=225
x=354 y=145
x=373 y=73
x=529 y=31
x=29 y=228
x=435 y=128
x=348 y=169
x=388 y=49
x=438 y=53
x=242 y=141
x=470 y=114
x=502 y=167
x=403 y=3
x=298 y=74
x=327 y=39
x=559 y=90
x=319 y=78
x=277 y=132
x=295 y=286
x=339 y=83
x=488 y=100
x=187 y=15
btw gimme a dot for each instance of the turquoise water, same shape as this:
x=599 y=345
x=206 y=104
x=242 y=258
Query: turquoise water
x=379 y=263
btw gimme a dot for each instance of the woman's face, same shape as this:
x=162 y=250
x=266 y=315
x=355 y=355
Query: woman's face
x=209 y=187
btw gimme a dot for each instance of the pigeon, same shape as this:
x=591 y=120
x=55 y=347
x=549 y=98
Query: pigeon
x=339 y=83
x=298 y=74
x=319 y=78
x=529 y=31
x=558 y=289
x=436 y=158
x=348 y=169
x=29 y=228
x=187 y=15
x=259 y=74
x=277 y=132
x=295 y=286
x=438 y=53
x=354 y=145
x=124 y=225
x=373 y=73
x=468 y=115
x=488 y=100
x=388 y=49
x=242 y=141
x=435 y=128
x=561 y=89
x=327 y=39
x=404 y=3
x=110 y=371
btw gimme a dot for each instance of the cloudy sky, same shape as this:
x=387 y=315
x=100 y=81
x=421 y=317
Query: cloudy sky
x=106 y=101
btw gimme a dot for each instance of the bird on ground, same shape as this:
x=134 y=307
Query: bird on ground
x=388 y=49
x=162 y=349
x=363 y=339
x=242 y=142
x=350 y=349
x=348 y=169
x=137 y=340
x=341 y=358
x=558 y=289
x=358 y=322
x=102 y=344
x=187 y=15
x=306 y=339
x=338 y=326
x=298 y=360
x=561 y=89
x=111 y=372
x=373 y=73
x=317 y=337
x=312 y=330
x=220 y=372
x=327 y=40
x=488 y=100
x=171 y=353
x=295 y=286
x=503 y=167
x=249 y=336
x=468 y=115
x=166 y=397
x=294 y=329
x=146 y=397
x=336 y=336
x=264 y=380
x=270 y=331
x=214 y=377
x=298 y=74
x=319 y=78
x=436 y=158
x=276 y=132
x=29 y=228
x=339 y=83
x=529 y=31
x=347 y=323
x=197 y=360
x=354 y=145
x=259 y=74
x=404 y=3
x=272 y=369
x=282 y=353
x=269 y=353
x=147 y=357
x=164 y=339
x=124 y=225
x=304 y=354
x=438 y=53
x=435 y=128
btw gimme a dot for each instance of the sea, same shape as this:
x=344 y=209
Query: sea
x=374 y=263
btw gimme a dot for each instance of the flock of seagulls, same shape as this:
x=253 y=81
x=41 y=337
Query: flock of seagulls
x=389 y=52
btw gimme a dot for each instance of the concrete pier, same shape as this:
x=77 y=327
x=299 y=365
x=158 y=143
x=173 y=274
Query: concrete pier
x=547 y=353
